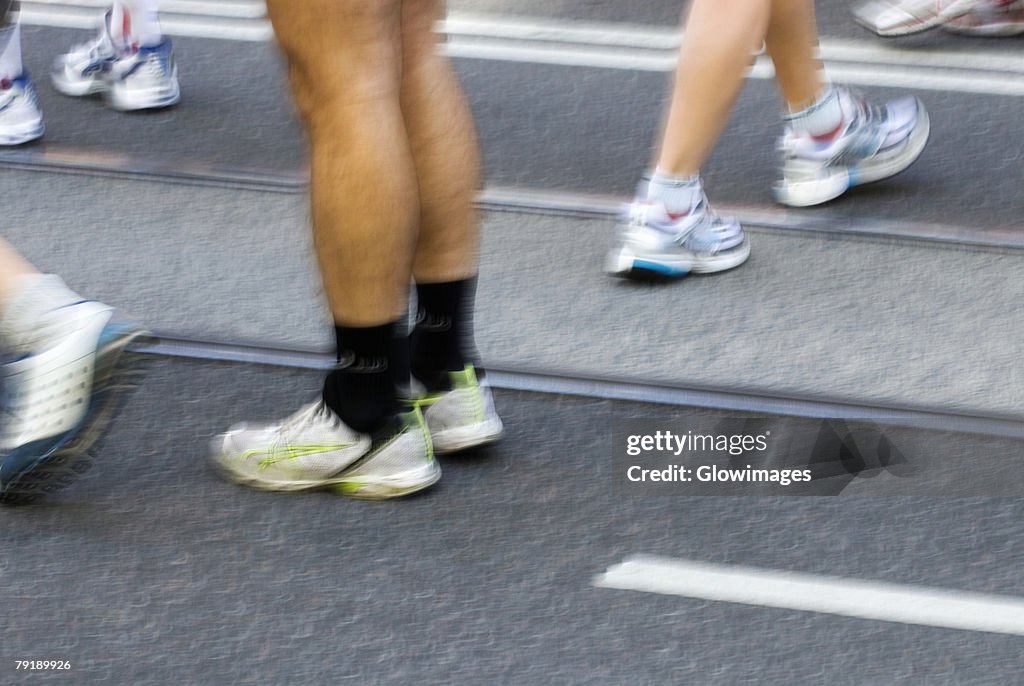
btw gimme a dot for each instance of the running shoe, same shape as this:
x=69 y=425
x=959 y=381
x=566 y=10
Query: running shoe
x=138 y=79
x=314 y=449
x=61 y=397
x=655 y=244
x=875 y=143
x=462 y=417
x=21 y=120
x=903 y=17
x=993 y=18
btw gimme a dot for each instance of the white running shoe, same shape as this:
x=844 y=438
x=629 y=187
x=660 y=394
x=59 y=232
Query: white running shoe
x=21 y=120
x=890 y=18
x=141 y=79
x=992 y=18
x=315 y=449
x=875 y=143
x=61 y=397
x=658 y=245
x=463 y=417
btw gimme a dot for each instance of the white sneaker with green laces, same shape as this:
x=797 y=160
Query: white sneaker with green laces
x=462 y=417
x=315 y=449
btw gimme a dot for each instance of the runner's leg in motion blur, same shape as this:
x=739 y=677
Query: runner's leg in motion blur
x=833 y=139
x=455 y=399
x=388 y=194
x=66 y=369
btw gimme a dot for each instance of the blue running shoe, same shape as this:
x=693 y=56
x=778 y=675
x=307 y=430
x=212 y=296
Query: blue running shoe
x=60 y=399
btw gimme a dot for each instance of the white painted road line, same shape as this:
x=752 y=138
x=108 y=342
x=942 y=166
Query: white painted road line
x=654 y=39
x=602 y=46
x=987 y=83
x=885 y=602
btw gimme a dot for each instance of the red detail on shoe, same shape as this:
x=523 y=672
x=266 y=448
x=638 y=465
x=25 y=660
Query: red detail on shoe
x=830 y=135
x=5 y=84
x=674 y=216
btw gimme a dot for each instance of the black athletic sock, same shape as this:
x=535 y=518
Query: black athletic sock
x=398 y=359
x=442 y=341
x=362 y=389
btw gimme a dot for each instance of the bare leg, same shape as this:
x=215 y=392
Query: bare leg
x=792 y=42
x=716 y=52
x=345 y=69
x=444 y=149
x=447 y=160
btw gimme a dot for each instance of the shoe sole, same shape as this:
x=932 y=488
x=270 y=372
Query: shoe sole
x=392 y=486
x=957 y=9
x=114 y=97
x=999 y=30
x=118 y=372
x=625 y=263
x=132 y=103
x=842 y=179
x=21 y=137
x=467 y=437
x=364 y=487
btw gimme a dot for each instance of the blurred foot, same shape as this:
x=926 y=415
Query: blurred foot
x=994 y=18
x=314 y=449
x=138 y=79
x=874 y=143
x=461 y=417
x=904 y=17
x=655 y=244
x=60 y=396
x=21 y=120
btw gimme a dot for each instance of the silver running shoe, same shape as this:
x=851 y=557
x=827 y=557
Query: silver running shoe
x=21 y=120
x=657 y=245
x=875 y=143
x=140 y=79
x=463 y=417
x=890 y=18
x=61 y=397
x=315 y=449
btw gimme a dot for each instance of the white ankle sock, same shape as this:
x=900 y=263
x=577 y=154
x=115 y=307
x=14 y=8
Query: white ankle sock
x=677 y=193
x=822 y=118
x=135 y=23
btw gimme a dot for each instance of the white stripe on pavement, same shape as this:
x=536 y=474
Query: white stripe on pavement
x=652 y=38
x=862 y=75
x=586 y=44
x=813 y=593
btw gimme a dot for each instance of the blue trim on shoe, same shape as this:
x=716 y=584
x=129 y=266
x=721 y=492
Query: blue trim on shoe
x=25 y=458
x=37 y=455
x=665 y=269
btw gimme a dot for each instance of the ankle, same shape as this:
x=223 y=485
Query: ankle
x=823 y=119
